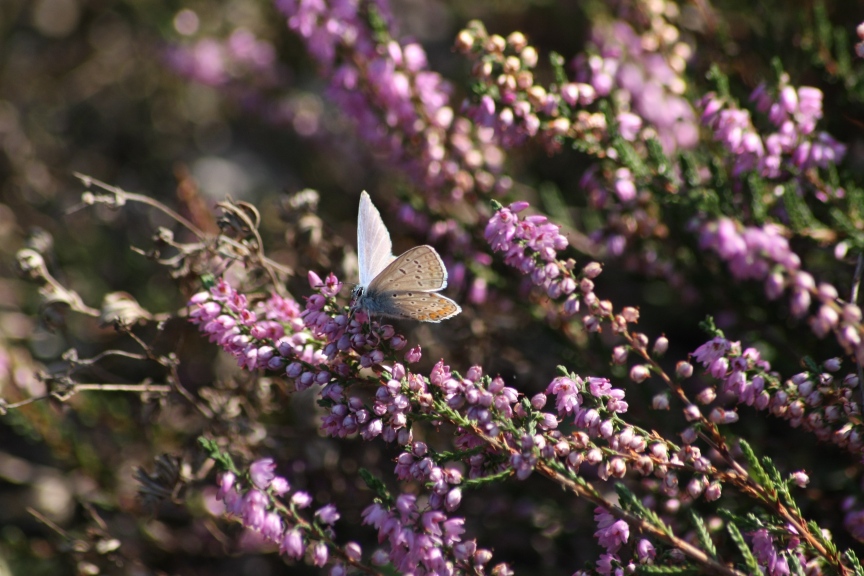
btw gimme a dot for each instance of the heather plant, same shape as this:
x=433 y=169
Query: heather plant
x=654 y=236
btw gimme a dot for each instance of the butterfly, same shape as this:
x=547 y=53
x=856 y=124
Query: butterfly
x=397 y=286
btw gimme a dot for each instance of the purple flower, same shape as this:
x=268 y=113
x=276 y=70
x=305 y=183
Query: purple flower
x=301 y=499
x=226 y=484
x=328 y=514
x=710 y=351
x=292 y=544
x=319 y=554
x=767 y=556
x=645 y=550
x=262 y=472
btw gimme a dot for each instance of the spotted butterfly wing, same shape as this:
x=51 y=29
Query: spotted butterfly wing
x=419 y=268
x=406 y=287
x=422 y=306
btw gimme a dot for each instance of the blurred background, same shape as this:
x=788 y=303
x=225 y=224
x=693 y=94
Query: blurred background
x=105 y=88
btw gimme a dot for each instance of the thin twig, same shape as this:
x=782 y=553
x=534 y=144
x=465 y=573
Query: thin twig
x=123 y=195
x=79 y=387
x=44 y=520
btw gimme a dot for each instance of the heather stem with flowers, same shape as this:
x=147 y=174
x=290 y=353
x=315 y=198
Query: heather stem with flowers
x=494 y=428
x=600 y=112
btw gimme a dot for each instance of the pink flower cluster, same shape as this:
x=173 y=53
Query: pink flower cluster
x=612 y=534
x=764 y=254
x=418 y=539
x=794 y=146
x=819 y=403
x=398 y=104
x=774 y=561
x=531 y=245
x=417 y=464
x=258 y=338
x=753 y=253
x=320 y=345
x=646 y=82
x=266 y=508
x=514 y=105
x=225 y=316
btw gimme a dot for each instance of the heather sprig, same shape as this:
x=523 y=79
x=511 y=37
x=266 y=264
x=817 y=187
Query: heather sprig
x=397 y=103
x=763 y=488
x=515 y=436
x=792 y=149
x=264 y=502
x=763 y=253
x=817 y=401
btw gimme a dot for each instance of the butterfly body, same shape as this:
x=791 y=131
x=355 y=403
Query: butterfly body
x=398 y=287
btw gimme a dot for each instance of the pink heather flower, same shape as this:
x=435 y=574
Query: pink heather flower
x=639 y=373
x=233 y=502
x=711 y=351
x=832 y=364
x=292 y=544
x=645 y=550
x=660 y=402
x=453 y=499
x=607 y=563
x=767 y=556
x=612 y=533
x=713 y=491
x=226 y=484
x=353 y=551
x=629 y=125
x=688 y=436
x=566 y=391
x=625 y=188
x=319 y=554
x=315 y=281
x=800 y=478
x=272 y=527
x=683 y=369
x=660 y=346
x=328 y=514
x=599 y=387
x=413 y=355
x=262 y=472
x=254 y=509
x=301 y=499
x=280 y=486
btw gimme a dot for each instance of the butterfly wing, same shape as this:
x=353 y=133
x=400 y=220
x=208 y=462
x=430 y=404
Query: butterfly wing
x=374 y=247
x=417 y=305
x=418 y=269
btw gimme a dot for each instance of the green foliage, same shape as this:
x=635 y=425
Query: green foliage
x=852 y=558
x=738 y=539
x=710 y=328
x=631 y=503
x=212 y=449
x=757 y=472
x=702 y=533
x=377 y=486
